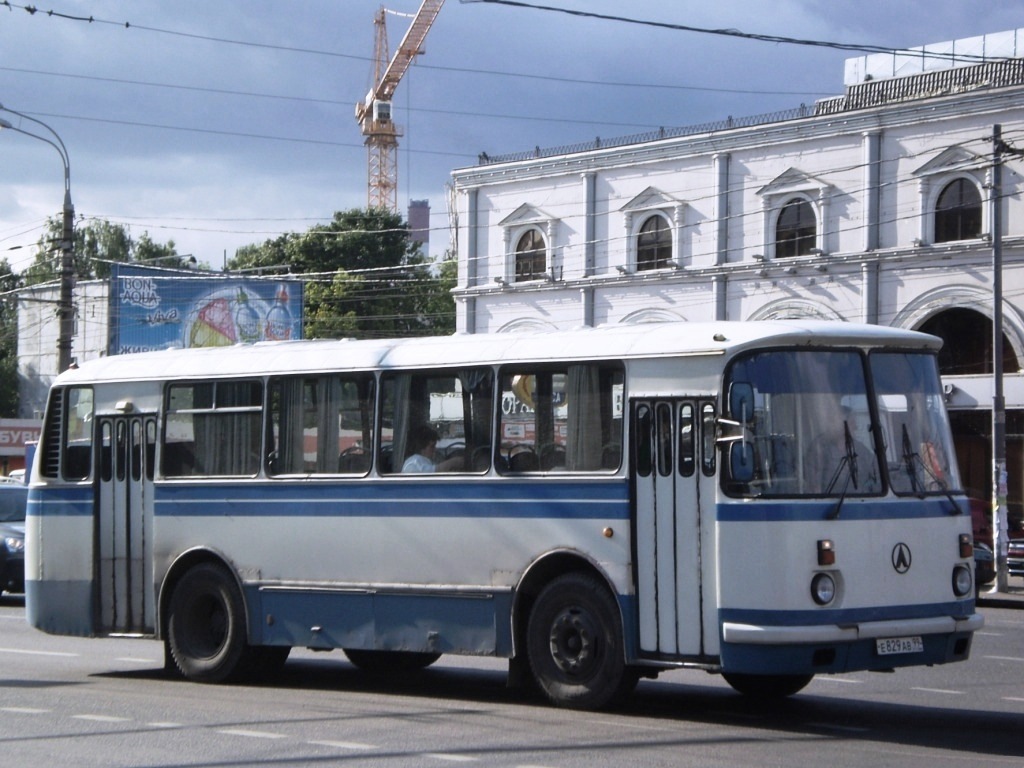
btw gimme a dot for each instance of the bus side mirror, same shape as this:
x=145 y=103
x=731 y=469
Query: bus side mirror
x=741 y=401
x=741 y=461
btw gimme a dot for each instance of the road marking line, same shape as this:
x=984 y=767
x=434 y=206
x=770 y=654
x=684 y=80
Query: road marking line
x=252 y=734
x=103 y=718
x=37 y=653
x=451 y=758
x=25 y=710
x=344 y=744
x=164 y=725
x=1003 y=658
x=835 y=679
x=1012 y=698
x=137 y=660
x=938 y=690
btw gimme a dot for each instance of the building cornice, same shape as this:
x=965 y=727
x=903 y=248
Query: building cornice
x=995 y=101
x=974 y=253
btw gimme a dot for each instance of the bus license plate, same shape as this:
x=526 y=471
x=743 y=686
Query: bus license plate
x=889 y=645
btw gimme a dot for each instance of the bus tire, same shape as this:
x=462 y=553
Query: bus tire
x=767 y=686
x=390 y=662
x=206 y=628
x=574 y=644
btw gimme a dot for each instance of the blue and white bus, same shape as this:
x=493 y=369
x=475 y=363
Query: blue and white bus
x=769 y=501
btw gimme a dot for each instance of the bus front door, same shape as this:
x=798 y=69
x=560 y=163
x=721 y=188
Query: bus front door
x=124 y=524
x=667 y=474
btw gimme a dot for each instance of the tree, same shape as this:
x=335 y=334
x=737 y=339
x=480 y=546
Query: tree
x=366 y=277
x=98 y=243
x=8 y=341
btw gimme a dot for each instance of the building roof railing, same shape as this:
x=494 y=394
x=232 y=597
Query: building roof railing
x=872 y=93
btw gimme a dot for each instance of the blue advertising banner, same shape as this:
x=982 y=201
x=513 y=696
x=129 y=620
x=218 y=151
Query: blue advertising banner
x=153 y=308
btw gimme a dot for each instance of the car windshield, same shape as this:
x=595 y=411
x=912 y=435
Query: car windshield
x=13 y=497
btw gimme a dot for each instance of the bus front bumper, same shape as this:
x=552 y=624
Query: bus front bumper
x=833 y=648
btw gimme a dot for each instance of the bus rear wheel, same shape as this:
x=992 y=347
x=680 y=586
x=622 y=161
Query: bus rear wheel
x=206 y=628
x=767 y=686
x=574 y=644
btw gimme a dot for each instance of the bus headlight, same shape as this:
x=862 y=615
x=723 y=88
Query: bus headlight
x=823 y=588
x=962 y=581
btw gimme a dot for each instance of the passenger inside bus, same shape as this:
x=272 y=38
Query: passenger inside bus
x=422 y=441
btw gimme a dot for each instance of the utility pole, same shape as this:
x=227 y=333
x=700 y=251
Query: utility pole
x=999 y=522
x=65 y=304
x=999 y=525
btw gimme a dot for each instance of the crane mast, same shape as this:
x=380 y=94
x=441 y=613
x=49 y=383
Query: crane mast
x=374 y=112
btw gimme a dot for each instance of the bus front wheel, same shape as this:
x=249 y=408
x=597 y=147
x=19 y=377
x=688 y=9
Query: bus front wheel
x=574 y=644
x=206 y=625
x=767 y=686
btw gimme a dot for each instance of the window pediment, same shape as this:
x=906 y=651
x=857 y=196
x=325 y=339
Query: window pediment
x=523 y=215
x=952 y=160
x=794 y=181
x=651 y=199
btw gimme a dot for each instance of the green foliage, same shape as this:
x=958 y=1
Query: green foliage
x=8 y=342
x=97 y=244
x=365 y=277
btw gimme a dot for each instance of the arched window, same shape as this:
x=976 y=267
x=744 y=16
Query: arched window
x=968 y=343
x=796 y=230
x=654 y=244
x=958 y=212
x=531 y=256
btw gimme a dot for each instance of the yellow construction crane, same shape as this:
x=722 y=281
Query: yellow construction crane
x=374 y=112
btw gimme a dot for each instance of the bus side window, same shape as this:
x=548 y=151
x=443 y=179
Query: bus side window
x=707 y=430
x=687 y=460
x=561 y=419
x=456 y=405
x=213 y=428
x=77 y=441
x=644 y=440
x=320 y=424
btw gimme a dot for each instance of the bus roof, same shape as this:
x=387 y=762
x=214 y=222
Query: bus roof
x=605 y=342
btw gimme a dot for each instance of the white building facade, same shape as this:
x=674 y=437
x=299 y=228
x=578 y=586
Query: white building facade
x=876 y=206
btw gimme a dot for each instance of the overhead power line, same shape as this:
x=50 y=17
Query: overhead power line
x=854 y=47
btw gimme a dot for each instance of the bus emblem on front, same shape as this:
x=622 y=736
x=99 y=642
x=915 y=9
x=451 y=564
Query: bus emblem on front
x=901 y=558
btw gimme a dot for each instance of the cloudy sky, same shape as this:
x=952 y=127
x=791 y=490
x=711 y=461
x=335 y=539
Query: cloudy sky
x=220 y=124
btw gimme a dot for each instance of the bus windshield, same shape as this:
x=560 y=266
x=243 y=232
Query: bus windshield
x=915 y=428
x=811 y=426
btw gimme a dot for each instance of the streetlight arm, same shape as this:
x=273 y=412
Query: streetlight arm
x=65 y=305
x=5 y=124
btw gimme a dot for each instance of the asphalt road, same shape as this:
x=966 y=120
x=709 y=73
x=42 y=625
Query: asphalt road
x=77 y=702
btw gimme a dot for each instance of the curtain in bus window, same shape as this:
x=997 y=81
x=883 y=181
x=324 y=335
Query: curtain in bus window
x=397 y=397
x=477 y=398
x=328 y=416
x=229 y=440
x=583 y=436
x=290 y=438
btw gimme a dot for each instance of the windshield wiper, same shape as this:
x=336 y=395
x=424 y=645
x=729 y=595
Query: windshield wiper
x=849 y=460
x=912 y=460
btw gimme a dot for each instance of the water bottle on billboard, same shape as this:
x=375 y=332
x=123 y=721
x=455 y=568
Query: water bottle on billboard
x=247 y=319
x=279 y=318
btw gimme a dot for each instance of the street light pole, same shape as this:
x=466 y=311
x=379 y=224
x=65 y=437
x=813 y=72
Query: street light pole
x=65 y=305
